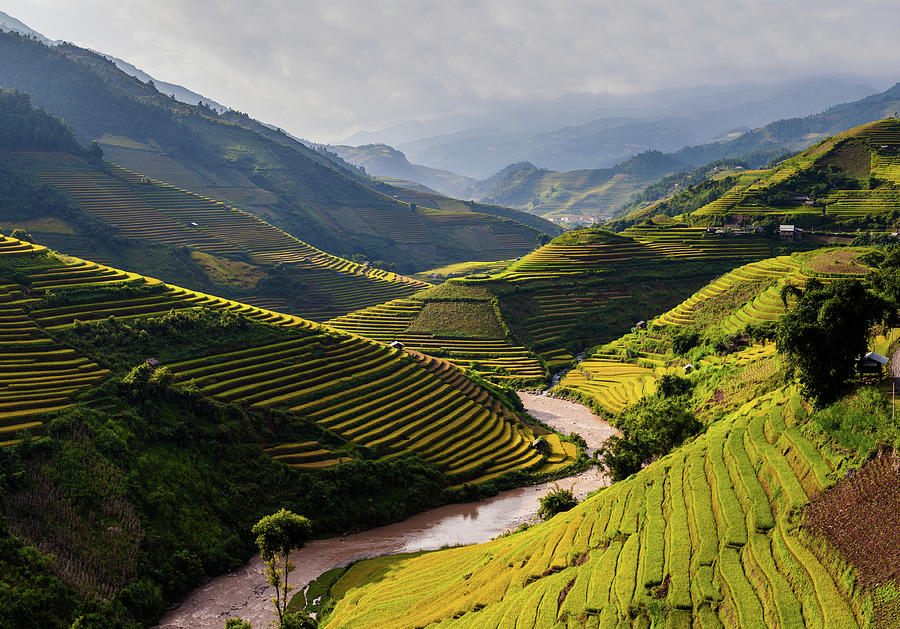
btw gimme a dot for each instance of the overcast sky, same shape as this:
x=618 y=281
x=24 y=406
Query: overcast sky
x=323 y=69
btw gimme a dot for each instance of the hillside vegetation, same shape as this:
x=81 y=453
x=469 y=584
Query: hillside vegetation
x=125 y=399
x=232 y=158
x=844 y=182
x=580 y=196
x=582 y=288
x=728 y=530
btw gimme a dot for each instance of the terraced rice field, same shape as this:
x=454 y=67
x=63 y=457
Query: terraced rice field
x=780 y=269
x=388 y=322
x=696 y=243
x=614 y=384
x=139 y=207
x=554 y=261
x=703 y=537
x=558 y=311
x=370 y=394
x=37 y=375
x=882 y=139
x=362 y=390
x=306 y=455
x=558 y=261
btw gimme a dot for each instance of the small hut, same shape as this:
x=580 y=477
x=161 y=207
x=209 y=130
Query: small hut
x=790 y=232
x=871 y=364
x=396 y=345
x=688 y=368
x=152 y=362
x=641 y=325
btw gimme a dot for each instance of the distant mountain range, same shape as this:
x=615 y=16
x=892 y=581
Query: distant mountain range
x=587 y=195
x=589 y=132
x=9 y=24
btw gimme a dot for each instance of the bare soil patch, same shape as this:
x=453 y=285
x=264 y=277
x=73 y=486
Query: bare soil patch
x=858 y=516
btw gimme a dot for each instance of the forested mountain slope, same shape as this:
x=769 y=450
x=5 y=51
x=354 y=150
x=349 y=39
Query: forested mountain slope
x=232 y=158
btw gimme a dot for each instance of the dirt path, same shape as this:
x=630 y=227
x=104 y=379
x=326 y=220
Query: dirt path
x=244 y=592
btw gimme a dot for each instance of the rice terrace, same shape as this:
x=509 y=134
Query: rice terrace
x=513 y=316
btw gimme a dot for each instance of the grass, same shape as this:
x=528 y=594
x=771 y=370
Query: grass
x=457 y=320
x=228 y=272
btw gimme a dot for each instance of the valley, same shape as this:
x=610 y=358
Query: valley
x=652 y=387
x=450 y=525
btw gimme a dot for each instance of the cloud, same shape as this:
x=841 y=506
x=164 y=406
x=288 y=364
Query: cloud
x=323 y=68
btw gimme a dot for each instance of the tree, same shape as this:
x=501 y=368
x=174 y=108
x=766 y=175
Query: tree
x=650 y=429
x=825 y=332
x=556 y=501
x=21 y=234
x=95 y=153
x=670 y=385
x=277 y=535
x=237 y=623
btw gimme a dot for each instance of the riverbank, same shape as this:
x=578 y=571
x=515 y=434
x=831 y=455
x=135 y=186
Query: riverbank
x=244 y=592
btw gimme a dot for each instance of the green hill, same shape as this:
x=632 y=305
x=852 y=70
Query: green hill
x=582 y=288
x=843 y=182
x=739 y=527
x=580 y=196
x=232 y=158
x=103 y=211
x=162 y=468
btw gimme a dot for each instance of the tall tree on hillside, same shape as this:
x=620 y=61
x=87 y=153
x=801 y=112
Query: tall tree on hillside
x=277 y=535
x=825 y=332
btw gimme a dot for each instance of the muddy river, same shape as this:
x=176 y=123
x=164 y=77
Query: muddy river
x=244 y=592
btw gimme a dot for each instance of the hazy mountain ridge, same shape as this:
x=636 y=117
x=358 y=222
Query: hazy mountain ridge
x=242 y=161
x=585 y=141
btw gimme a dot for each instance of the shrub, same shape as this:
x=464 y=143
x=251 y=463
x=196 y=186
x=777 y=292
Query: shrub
x=650 y=429
x=556 y=501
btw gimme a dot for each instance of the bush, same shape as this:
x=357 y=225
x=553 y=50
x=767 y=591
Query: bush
x=670 y=385
x=557 y=501
x=685 y=340
x=650 y=429
x=298 y=620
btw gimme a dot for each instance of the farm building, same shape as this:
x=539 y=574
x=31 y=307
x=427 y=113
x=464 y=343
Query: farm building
x=396 y=345
x=871 y=363
x=790 y=232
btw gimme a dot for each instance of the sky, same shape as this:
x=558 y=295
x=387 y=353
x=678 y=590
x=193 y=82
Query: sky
x=323 y=69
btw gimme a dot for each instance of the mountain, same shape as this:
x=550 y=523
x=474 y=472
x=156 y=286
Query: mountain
x=581 y=196
x=665 y=121
x=590 y=195
x=383 y=161
x=237 y=160
x=842 y=182
x=794 y=134
x=178 y=92
x=10 y=24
